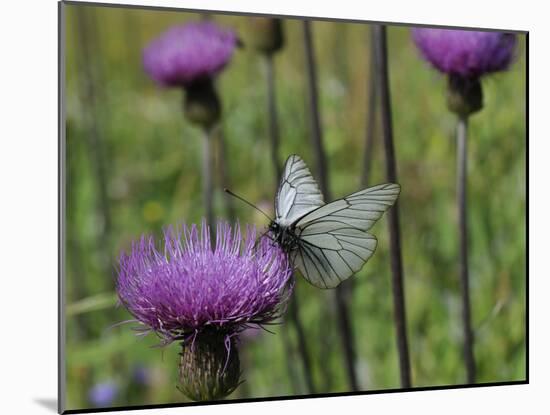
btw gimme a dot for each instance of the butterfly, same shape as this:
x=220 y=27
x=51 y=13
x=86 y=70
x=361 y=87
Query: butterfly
x=327 y=243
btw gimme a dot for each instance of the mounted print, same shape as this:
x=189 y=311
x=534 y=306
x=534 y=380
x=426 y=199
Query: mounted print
x=270 y=207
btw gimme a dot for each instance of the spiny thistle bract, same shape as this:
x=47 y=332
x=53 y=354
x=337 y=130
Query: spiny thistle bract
x=204 y=296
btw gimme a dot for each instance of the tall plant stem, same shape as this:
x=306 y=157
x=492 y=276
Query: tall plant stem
x=314 y=114
x=461 y=200
x=371 y=111
x=302 y=347
x=225 y=177
x=93 y=136
x=344 y=323
x=78 y=272
x=398 y=289
x=290 y=368
x=274 y=146
x=207 y=188
x=273 y=118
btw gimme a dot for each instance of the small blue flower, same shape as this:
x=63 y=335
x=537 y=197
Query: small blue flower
x=141 y=375
x=103 y=394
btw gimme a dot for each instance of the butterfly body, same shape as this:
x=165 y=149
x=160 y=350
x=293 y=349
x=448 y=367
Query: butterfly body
x=284 y=236
x=327 y=243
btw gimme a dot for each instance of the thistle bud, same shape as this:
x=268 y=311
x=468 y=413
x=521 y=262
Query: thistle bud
x=266 y=34
x=201 y=104
x=464 y=95
x=209 y=367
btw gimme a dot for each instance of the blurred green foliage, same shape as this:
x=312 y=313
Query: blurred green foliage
x=133 y=163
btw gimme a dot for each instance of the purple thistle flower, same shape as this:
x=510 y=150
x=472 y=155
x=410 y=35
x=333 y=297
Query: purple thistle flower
x=187 y=287
x=188 y=53
x=103 y=394
x=466 y=53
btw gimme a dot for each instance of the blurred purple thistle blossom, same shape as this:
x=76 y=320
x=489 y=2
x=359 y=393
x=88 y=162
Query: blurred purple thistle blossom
x=188 y=53
x=103 y=394
x=186 y=287
x=466 y=53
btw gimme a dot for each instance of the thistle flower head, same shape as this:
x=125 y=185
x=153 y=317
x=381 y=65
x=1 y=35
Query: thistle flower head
x=188 y=287
x=188 y=53
x=466 y=53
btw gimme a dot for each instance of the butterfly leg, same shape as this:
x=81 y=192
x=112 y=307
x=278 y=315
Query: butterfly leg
x=264 y=234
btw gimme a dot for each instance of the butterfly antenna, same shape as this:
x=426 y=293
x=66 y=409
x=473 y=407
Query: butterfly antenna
x=248 y=203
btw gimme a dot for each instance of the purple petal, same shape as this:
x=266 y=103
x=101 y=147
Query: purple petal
x=187 y=53
x=186 y=286
x=464 y=52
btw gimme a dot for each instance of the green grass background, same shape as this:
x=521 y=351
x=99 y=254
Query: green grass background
x=119 y=124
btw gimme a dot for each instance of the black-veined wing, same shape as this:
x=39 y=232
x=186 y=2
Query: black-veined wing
x=298 y=192
x=339 y=257
x=334 y=242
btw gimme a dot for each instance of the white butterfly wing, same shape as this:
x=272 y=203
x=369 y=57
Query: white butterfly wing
x=341 y=256
x=334 y=242
x=298 y=192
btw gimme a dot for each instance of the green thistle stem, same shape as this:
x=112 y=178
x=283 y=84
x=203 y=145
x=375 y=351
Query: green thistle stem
x=289 y=352
x=302 y=346
x=94 y=138
x=207 y=187
x=344 y=322
x=202 y=107
x=371 y=111
x=273 y=118
x=461 y=198
x=224 y=175
x=274 y=147
x=398 y=288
